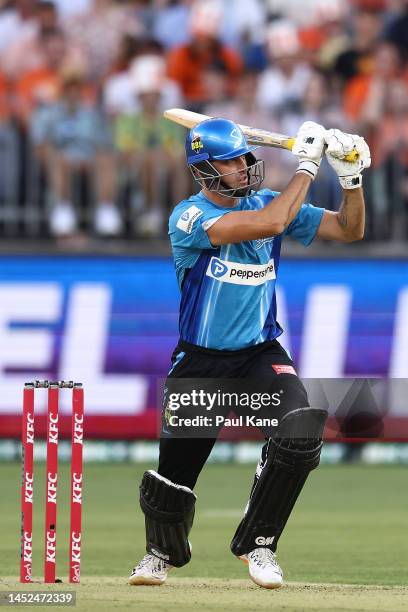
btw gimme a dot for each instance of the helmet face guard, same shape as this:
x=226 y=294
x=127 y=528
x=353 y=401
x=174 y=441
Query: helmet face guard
x=205 y=173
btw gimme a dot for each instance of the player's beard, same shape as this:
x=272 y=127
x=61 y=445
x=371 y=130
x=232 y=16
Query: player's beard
x=242 y=192
x=207 y=176
x=239 y=192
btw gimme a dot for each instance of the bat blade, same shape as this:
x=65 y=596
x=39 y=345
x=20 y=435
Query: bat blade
x=254 y=136
x=263 y=138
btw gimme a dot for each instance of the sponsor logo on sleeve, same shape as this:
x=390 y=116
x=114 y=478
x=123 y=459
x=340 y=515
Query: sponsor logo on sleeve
x=188 y=218
x=239 y=273
x=284 y=369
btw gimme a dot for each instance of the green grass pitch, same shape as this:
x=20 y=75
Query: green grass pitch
x=348 y=528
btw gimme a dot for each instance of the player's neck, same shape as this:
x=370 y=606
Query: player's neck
x=220 y=200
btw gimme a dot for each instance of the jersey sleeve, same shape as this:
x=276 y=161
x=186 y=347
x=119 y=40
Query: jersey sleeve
x=304 y=226
x=188 y=225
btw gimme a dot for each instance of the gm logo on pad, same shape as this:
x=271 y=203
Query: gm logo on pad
x=218 y=268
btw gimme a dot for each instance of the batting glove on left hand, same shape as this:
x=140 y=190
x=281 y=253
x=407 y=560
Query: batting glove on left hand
x=339 y=145
x=309 y=146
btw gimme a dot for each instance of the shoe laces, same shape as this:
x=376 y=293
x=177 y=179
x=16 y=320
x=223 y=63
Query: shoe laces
x=263 y=557
x=156 y=565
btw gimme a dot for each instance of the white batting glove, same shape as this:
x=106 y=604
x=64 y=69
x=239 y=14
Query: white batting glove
x=339 y=145
x=309 y=146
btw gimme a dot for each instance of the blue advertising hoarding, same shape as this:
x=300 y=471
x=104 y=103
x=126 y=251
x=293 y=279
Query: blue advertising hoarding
x=112 y=323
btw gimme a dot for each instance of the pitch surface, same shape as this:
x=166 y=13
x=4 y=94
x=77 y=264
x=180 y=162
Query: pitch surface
x=345 y=547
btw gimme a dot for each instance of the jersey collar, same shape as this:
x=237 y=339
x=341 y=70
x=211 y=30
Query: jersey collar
x=237 y=207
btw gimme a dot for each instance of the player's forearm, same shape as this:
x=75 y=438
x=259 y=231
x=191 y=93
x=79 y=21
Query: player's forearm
x=265 y=223
x=283 y=209
x=351 y=215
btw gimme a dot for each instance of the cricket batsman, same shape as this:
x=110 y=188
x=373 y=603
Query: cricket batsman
x=226 y=242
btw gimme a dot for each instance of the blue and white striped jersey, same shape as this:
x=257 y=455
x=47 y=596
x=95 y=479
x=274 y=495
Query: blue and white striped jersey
x=228 y=297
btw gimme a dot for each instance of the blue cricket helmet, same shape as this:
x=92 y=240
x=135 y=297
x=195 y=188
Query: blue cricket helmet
x=214 y=139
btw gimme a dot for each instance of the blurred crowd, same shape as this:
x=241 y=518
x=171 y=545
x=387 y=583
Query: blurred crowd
x=84 y=149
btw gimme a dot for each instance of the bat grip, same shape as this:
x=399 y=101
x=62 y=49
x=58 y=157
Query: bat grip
x=351 y=157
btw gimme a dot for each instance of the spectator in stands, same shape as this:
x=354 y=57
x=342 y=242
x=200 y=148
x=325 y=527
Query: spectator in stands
x=99 y=31
x=26 y=52
x=282 y=85
x=321 y=104
x=4 y=97
x=327 y=36
x=118 y=90
x=397 y=30
x=41 y=85
x=117 y=94
x=187 y=64
x=17 y=20
x=390 y=172
x=8 y=153
x=151 y=147
x=365 y=94
x=171 y=23
x=72 y=139
x=244 y=109
x=359 y=58
x=254 y=61
x=145 y=12
x=243 y=20
x=68 y=8
x=300 y=15
x=378 y=105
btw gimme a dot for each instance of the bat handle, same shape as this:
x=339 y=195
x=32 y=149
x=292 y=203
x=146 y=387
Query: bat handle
x=351 y=157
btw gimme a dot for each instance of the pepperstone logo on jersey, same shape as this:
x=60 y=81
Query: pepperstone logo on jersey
x=239 y=273
x=218 y=269
x=188 y=218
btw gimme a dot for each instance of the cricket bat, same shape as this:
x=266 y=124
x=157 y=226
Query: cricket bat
x=254 y=136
